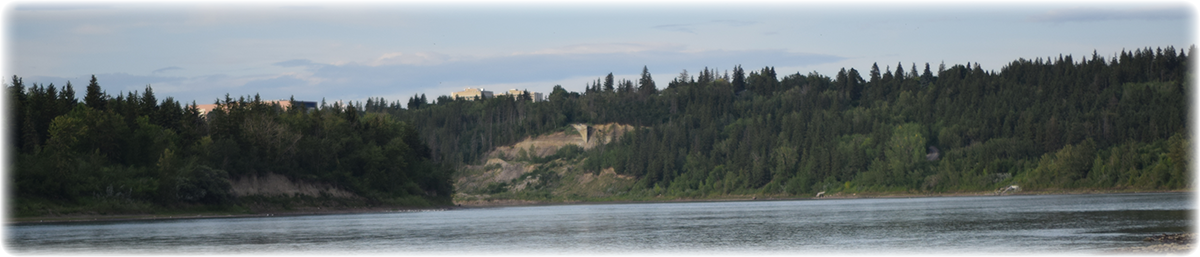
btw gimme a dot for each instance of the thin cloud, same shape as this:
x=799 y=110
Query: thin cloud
x=691 y=27
x=522 y=68
x=1096 y=14
x=735 y=23
x=685 y=28
x=166 y=69
x=418 y=58
x=92 y=29
x=296 y=63
x=607 y=48
x=281 y=83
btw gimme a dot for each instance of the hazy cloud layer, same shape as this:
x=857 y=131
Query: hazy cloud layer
x=202 y=51
x=685 y=28
x=735 y=23
x=405 y=77
x=1098 y=14
x=522 y=67
x=296 y=63
x=319 y=80
x=166 y=69
x=692 y=27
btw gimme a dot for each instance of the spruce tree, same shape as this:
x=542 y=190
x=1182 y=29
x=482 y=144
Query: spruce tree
x=646 y=83
x=67 y=97
x=875 y=73
x=739 y=79
x=412 y=102
x=149 y=103
x=18 y=102
x=94 y=98
x=926 y=76
x=856 y=84
x=608 y=82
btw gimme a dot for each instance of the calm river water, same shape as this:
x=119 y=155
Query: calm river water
x=989 y=225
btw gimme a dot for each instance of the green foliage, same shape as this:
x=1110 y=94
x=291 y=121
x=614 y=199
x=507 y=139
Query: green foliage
x=1057 y=123
x=134 y=153
x=542 y=178
x=1155 y=165
x=567 y=152
x=495 y=188
x=1062 y=168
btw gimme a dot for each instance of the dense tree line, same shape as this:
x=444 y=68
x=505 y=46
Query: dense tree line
x=1045 y=123
x=133 y=152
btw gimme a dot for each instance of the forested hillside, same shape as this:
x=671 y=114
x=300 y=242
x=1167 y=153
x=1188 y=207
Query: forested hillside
x=135 y=154
x=1044 y=123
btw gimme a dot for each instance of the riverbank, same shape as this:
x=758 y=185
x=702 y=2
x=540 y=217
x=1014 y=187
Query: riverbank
x=660 y=199
x=210 y=215
x=510 y=202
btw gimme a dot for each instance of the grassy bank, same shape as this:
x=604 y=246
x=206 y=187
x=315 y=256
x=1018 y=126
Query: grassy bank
x=36 y=210
x=542 y=199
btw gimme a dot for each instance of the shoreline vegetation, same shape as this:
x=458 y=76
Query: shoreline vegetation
x=72 y=218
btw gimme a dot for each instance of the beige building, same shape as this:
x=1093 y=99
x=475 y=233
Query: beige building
x=537 y=97
x=472 y=94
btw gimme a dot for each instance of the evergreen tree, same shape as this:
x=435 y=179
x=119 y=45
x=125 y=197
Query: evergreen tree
x=856 y=84
x=927 y=76
x=646 y=83
x=18 y=103
x=149 y=104
x=875 y=73
x=95 y=98
x=626 y=86
x=414 y=102
x=67 y=98
x=608 y=82
x=739 y=79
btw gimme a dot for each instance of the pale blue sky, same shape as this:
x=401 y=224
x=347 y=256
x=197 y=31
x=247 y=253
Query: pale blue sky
x=314 y=50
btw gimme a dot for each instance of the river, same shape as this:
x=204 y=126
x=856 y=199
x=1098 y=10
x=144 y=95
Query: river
x=1092 y=223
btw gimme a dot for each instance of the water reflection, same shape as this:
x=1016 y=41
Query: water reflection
x=1010 y=224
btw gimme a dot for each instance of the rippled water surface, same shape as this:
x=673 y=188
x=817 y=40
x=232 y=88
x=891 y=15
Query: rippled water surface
x=1006 y=224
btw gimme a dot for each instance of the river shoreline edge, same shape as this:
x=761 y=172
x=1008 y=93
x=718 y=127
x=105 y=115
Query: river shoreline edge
x=10 y=221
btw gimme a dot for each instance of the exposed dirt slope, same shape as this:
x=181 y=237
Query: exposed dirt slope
x=507 y=176
x=545 y=145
